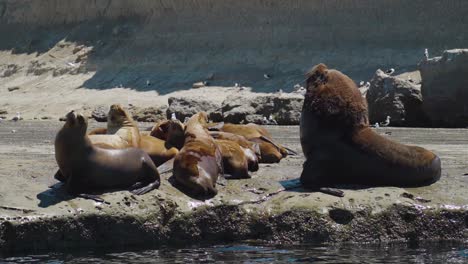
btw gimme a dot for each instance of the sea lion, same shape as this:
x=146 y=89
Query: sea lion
x=235 y=162
x=271 y=152
x=340 y=147
x=199 y=162
x=88 y=168
x=122 y=131
x=157 y=149
x=98 y=131
x=171 y=131
x=251 y=149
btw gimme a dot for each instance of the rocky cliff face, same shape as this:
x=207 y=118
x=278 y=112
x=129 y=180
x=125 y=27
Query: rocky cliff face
x=445 y=88
x=175 y=43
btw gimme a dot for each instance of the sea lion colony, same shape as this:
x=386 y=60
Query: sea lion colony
x=337 y=141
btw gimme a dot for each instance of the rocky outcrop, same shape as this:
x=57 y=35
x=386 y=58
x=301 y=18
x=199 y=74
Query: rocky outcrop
x=445 y=88
x=100 y=113
x=186 y=107
x=148 y=114
x=285 y=108
x=398 y=97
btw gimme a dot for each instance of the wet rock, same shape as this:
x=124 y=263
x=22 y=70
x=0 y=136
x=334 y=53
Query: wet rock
x=285 y=108
x=397 y=97
x=445 y=88
x=148 y=114
x=186 y=107
x=100 y=113
x=3 y=112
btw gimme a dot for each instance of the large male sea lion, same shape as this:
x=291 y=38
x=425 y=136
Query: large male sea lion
x=199 y=162
x=87 y=168
x=340 y=147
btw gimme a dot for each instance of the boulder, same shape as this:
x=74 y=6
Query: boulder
x=396 y=96
x=285 y=108
x=148 y=114
x=186 y=107
x=445 y=88
x=100 y=113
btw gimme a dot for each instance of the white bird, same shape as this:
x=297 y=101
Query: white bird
x=297 y=87
x=376 y=125
x=280 y=92
x=426 y=54
x=148 y=83
x=367 y=84
x=390 y=71
x=266 y=76
x=120 y=85
x=236 y=85
x=173 y=116
x=265 y=121
x=271 y=120
x=386 y=122
x=361 y=83
x=17 y=117
x=13 y=131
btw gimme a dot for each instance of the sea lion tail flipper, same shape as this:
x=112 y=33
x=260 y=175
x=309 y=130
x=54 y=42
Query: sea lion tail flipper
x=147 y=188
x=216 y=127
x=91 y=197
x=167 y=166
x=290 y=151
x=332 y=191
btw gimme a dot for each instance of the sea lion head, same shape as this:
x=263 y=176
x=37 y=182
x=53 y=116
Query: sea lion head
x=171 y=131
x=118 y=117
x=76 y=121
x=334 y=97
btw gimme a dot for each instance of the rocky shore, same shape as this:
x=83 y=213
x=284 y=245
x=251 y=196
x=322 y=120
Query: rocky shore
x=271 y=206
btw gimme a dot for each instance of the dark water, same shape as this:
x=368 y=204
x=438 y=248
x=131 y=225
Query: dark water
x=266 y=253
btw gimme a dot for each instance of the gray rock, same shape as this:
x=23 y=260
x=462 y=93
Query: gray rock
x=100 y=113
x=3 y=112
x=14 y=88
x=285 y=108
x=395 y=97
x=148 y=114
x=186 y=107
x=445 y=88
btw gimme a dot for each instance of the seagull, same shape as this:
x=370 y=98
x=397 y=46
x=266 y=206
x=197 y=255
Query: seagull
x=280 y=91
x=271 y=120
x=120 y=86
x=265 y=121
x=390 y=71
x=361 y=83
x=71 y=64
x=426 y=54
x=236 y=85
x=386 y=122
x=376 y=125
x=367 y=84
x=17 y=117
x=266 y=76
x=173 y=116
x=148 y=83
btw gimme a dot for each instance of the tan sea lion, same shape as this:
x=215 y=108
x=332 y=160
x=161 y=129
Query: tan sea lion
x=235 y=163
x=157 y=149
x=251 y=149
x=171 y=131
x=271 y=152
x=87 y=168
x=340 y=147
x=122 y=131
x=199 y=162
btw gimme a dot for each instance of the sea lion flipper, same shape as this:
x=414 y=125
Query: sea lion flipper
x=147 y=188
x=290 y=151
x=332 y=191
x=91 y=197
x=167 y=166
x=59 y=176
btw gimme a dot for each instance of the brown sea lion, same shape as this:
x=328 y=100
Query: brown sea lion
x=157 y=149
x=235 y=163
x=251 y=149
x=340 y=147
x=122 y=131
x=171 y=131
x=271 y=152
x=87 y=168
x=199 y=162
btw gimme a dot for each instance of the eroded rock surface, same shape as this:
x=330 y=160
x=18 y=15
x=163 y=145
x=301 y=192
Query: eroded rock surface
x=270 y=206
x=445 y=88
